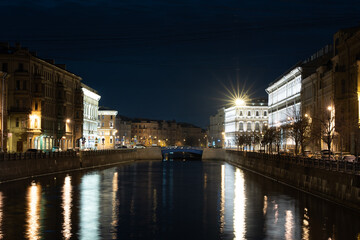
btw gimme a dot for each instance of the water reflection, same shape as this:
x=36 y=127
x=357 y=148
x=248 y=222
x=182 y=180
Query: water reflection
x=305 y=225
x=115 y=204
x=222 y=199
x=265 y=205
x=89 y=207
x=239 y=205
x=289 y=225
x=66 y=205
x=1 y=215
x=33 y=212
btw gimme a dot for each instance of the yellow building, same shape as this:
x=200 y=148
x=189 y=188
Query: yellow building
x=44 y=102
x=3 y=109
x=106 y=128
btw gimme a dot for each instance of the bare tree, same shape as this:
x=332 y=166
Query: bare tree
x=327 y=127
x=240 y=140
x=271 y=135
x=298 y=129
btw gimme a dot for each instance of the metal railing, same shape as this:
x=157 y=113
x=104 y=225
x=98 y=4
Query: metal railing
x=331 y=165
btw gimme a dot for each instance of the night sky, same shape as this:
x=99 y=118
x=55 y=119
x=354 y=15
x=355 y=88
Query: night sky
x=175 y=59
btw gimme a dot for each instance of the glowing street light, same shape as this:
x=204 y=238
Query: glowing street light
x=329 y=108
x=239 y=102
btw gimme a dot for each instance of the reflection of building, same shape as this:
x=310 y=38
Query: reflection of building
x=90 y=124
x=166 y=133
x=123 y=127
x=3 y=109
x=217 y=129
x=249 y=118
x=44 y=101
x=106 y=128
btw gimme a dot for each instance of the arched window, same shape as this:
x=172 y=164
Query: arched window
x=265 y=113
x=241 y=126
x=257 y=113
x=249 y=113
x=248 y=128
x=257 y=126
x=241 y=113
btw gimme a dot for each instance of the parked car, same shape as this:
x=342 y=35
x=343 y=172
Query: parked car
x=56 y=149
x=349 y=158
x=34 y=150
x=139 y=146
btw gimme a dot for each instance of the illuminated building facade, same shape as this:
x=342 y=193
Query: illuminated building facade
x=123 y=127
x=217 y=129
x=346 y=69
x=248 y=118
x=166 y=133
x=44 y=102
x=106 y=128
x=284 y=101
x=3 y=110
x=90 y=121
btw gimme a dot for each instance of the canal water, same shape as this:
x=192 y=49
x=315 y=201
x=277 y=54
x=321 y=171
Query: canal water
x=167 y=200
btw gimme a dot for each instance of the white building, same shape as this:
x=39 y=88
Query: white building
x=250 y=117
x=90 y=124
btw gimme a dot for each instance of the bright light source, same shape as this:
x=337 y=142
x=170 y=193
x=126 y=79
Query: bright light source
x=239 y=102
x=329 y=108
x=68 y=120
x=306 y=115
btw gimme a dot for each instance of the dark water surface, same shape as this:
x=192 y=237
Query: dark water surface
x=167 y=200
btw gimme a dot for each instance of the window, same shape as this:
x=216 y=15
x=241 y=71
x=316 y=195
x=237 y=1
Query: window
x=249 y=113
x=241 y=126
x=102 y=124
x=17 y=122
x=98 y=124
x=98 y=117
x=36 y=106
x=21 y=67
x=248 y=128
x=102 y=116
x=111 y=117
x=241 y=113
x=257 y=126
x=111 y=124
x=111 y=140
x=4 y=67
x=265 y=113
x=257 y=113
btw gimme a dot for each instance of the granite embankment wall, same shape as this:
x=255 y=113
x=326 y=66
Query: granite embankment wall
x=335 y=181
x=24 y=165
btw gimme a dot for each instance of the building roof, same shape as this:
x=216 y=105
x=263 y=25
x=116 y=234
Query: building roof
x=6 y=48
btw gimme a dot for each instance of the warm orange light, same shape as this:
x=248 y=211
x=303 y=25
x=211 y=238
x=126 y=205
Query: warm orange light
x=68 y=120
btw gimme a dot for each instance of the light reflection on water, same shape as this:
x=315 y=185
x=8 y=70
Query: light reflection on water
x=1 y=215
x=67 y=206
x=239 y=205
x=89 y=207
x=33 y=212
x=178 y=200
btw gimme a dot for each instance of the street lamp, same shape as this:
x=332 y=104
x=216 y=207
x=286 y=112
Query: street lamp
x=239 y=102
